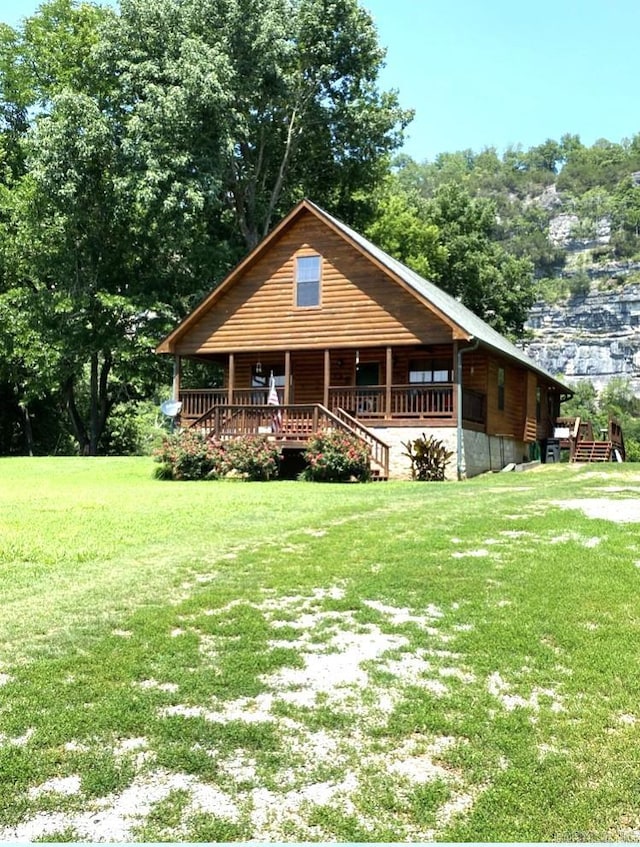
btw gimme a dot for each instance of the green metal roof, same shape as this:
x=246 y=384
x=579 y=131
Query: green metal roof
x=456 y=311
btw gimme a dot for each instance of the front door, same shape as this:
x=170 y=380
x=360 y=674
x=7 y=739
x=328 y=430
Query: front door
x=368 y=375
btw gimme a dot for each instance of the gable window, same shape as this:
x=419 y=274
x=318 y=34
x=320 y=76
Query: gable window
x=429 y=370
x=307 y=281
x=501 y=389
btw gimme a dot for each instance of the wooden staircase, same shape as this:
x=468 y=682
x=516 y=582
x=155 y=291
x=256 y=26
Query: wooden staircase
x=592 y=451
x=583 y=446
x=291 y=426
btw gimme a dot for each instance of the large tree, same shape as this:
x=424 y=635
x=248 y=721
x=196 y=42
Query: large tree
x=452 y=239
x=164 y=141
x=261 y=103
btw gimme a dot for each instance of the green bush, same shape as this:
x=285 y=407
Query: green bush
x=632 y=449
x=133 y=429
x=428 y=458
x=335 y=456
x=253 y=457
x=188 y=454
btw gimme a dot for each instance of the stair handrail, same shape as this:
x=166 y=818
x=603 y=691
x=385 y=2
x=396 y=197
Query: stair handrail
x=379 y=448
x=573 y=439
x=616 y=436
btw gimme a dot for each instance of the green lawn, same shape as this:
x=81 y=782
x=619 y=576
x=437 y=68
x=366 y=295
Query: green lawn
x=296 y=662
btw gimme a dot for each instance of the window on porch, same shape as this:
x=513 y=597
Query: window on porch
x=260 y=376
x=429 y=370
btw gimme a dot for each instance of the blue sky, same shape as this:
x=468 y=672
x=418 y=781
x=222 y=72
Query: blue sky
x=499 y=72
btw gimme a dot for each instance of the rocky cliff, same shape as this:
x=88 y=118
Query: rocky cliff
x=592 y=333
x=595 y=334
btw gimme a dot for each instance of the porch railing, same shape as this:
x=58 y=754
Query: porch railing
x=197 y=401
x=367 y=403
x=407 y=401
x=287 y=423
x=422 y=401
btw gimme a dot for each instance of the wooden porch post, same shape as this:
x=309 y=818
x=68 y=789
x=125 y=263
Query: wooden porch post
x=287 y=377
x=456 y=378
x=327 y=377
x=177 y=367
x=232 y=378
x=389 y=380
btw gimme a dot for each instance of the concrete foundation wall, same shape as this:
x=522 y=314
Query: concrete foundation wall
x=483 y=452
x=480 y=452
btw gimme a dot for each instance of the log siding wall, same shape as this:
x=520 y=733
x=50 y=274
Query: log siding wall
x=358 y=303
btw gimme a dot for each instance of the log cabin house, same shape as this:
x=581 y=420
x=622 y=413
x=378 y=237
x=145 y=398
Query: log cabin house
x=356 y=340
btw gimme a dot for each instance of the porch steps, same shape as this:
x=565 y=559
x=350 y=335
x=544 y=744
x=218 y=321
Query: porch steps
x=291 y=426
x=592 y=451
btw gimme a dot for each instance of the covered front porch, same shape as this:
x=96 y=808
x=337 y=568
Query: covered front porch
x=377 y=386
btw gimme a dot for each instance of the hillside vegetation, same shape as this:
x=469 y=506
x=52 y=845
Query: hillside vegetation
x=561 y=205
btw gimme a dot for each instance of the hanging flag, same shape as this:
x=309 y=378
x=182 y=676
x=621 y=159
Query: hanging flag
x=274 y=400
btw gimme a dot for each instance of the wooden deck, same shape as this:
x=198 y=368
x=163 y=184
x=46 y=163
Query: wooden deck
x=291 y=426
x=579 y=438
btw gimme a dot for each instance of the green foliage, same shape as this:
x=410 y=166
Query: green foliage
x=451 y=238
x=428 y=457
x=133 y=429
x=602 y=165
x=336 y=456
x=584 y=403
x=189 y=454
x=632 y=449
x=253 y=457
x=403 y=230
x=579 y=283
x=262 y=103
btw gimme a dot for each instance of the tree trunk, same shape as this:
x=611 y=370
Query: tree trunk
x=77 y=424
x=94 y=416
x=28 y=431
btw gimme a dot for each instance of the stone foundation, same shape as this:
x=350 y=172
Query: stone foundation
x=480 y=452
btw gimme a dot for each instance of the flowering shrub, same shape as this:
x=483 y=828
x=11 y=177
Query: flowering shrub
x=188 y=454
x=252 y=456
x=335 y=456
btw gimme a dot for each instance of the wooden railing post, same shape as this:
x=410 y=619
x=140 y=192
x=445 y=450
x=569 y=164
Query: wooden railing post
x=389 y=380
x=232 y=377
x=177 y=368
